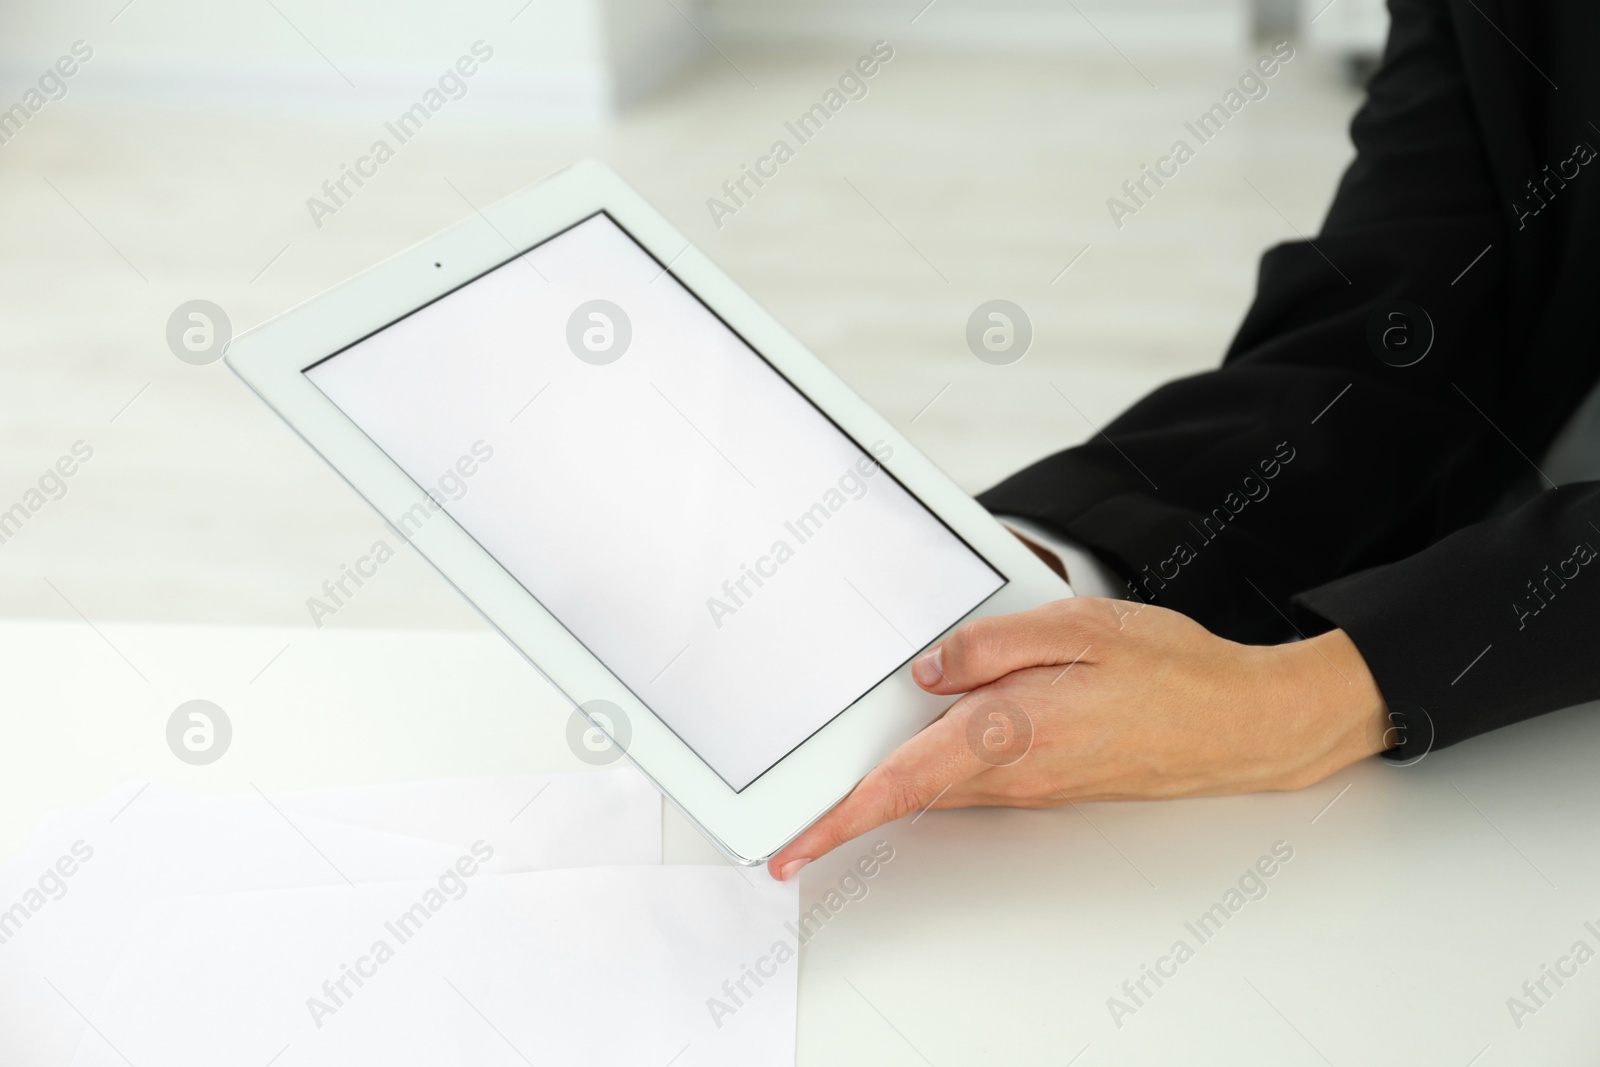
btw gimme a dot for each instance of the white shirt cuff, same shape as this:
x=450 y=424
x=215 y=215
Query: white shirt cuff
x=1085 y=573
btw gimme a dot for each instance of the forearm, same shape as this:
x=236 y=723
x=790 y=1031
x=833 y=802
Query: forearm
x=1494 y=624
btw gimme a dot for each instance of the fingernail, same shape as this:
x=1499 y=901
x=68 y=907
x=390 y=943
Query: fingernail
x=929 y=667
x=790 y=869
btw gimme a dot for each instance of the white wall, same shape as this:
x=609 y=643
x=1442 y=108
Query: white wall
x=557 y=59
x=1356 y=27
x=553 y=59
x=992 y=25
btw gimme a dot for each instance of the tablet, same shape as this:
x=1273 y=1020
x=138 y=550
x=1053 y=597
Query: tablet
x=722 y=557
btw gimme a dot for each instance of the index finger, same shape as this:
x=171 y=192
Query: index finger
x=908 y=780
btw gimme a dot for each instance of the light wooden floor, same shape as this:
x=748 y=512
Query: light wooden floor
x=954 y=181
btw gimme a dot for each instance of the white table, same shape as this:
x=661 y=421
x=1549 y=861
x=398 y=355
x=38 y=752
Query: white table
x=1418 y=900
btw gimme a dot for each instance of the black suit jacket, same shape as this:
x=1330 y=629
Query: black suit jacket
x=1309 y=479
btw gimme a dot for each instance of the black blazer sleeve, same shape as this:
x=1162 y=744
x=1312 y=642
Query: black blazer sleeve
x=1307 y=478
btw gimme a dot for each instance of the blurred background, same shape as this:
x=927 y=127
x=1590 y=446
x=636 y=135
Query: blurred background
x=181 y=159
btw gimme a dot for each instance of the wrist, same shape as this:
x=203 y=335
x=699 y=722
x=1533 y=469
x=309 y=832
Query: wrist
x=1346 y=716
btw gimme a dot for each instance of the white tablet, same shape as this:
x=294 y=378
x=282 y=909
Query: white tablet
x=684 y=520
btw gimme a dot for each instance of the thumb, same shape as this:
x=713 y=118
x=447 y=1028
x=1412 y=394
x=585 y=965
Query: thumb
x=987 y=649
x=909 y=780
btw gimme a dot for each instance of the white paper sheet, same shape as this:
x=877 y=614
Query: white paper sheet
x=145 y=844
x=614 y=965
x=536 y=821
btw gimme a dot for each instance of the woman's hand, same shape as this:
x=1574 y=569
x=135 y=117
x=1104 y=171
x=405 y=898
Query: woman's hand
x=1093 y=699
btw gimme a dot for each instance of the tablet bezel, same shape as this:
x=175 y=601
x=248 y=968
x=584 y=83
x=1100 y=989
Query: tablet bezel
x=749 y=825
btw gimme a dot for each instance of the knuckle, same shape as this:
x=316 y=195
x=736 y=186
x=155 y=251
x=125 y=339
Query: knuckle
x=902 y=794
x=976 y=644
x=1067 y=606
x=1084 y=615
x=1021 y=790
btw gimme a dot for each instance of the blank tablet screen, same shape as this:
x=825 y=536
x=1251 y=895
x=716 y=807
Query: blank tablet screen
x=737 y=561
